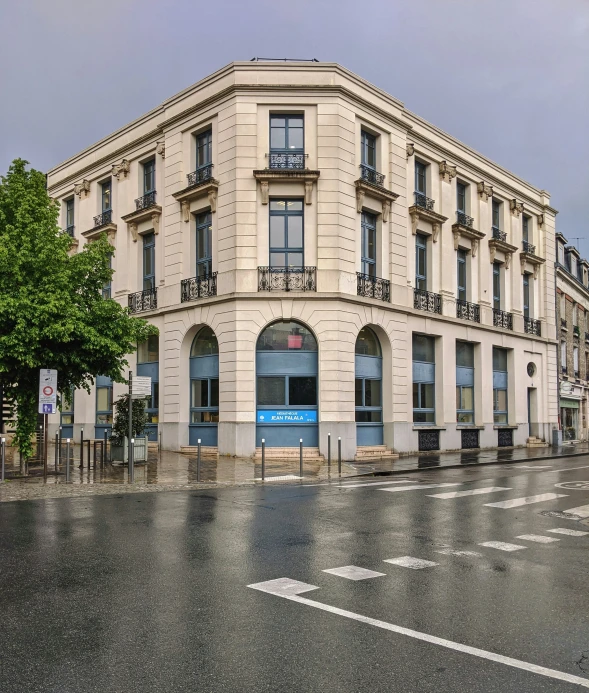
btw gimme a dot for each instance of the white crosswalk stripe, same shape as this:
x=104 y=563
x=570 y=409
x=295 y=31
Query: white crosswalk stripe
x=582 y=511
x=411 y=562
x=568 y=532
x=472 y=492
x=502 y=546
x=415 y=487
x=353 y=572
x=457 y=552
x=528 y=500
x=538 y=538
x=373 y=483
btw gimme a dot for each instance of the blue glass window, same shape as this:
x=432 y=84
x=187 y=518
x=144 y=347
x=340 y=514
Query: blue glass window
x=499 y=385
x=461 y=197
x=497 y=285
x=496 y=211
x=420 y=178
x=286 y=134
x=204 y=245
x=149 y=262
x=424 y=379
x=286 y=233
x=106 y=196
x=368 y=149
x=421 y=262
x=526 y=295
x=461 y=274
x=204 y=149
x=149 y=176
x=368 y=249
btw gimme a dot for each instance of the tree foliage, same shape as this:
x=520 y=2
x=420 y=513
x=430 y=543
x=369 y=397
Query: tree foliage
x=52 y=314
x=120 y=429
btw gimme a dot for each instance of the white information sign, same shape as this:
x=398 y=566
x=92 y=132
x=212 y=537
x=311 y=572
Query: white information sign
x=141 y=387
x=47 y=391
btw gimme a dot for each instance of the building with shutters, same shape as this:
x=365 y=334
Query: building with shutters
x=318 y=260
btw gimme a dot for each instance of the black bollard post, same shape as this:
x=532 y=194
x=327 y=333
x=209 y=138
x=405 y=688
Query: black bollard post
x=339 y=456
x=67 y=460
x=329 y=450
x=198 y=462
x=57 y=451
x=81 y=448
x=301 y=457
x=2 y=458
x=103 y=451
x=131 y=461
x=263 y=459
x=88 y=441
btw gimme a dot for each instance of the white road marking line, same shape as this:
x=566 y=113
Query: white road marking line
x=538 y=538
x=410 y=562
x=581 y=511
x=457 y=552
x=502 y=546
x=374 y=483
x=353 y=572
x=472 y=492
x=415 y=487
x=568 y=532
x=529 y=466
x=424 y=637
x=283 y=587
x=528 y=500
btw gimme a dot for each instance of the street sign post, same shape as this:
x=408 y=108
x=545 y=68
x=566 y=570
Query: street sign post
x=47 y=391
x=141 y=387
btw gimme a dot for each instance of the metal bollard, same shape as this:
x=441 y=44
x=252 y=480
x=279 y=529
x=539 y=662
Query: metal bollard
x=329 y=450
x=57 y=451
x=88 y=441
x=81 y=447
x=198 y=462
x=40 y=446
x=339 y=456
x=67 y=460
x=2 y=458
x=131 y=461
x=301 y=457
x=263 y=459
x=103 y=461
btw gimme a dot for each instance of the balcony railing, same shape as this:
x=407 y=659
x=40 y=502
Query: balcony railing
x=103 y=219
x=499 y=235
x=146 y=201
x=69 y=230
x=143 y=300
x=532 y=326
x=198 y=287
x=563 y=323
x=287 y=279
x=426 y=300
x=201 y=175
x=464 y=220
x=424 y=202
x=288 y=160
x=502 y=319
x=468 y=311
x=373 y=287
x=528 y=248
x=371 y=176
x=576 y=331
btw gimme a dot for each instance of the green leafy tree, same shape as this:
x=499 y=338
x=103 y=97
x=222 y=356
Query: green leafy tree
x=120 y=429
x=52 y=314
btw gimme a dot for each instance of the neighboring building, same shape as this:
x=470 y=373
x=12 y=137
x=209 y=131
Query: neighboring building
x=319 y=260
x=572 y=310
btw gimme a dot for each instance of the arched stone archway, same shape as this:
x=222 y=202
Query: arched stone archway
x=204 y=388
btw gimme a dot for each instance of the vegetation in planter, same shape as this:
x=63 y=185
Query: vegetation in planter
x=120 y=429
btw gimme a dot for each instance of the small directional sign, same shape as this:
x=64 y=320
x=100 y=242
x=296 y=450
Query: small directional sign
x=47 y=391
x=141 y=387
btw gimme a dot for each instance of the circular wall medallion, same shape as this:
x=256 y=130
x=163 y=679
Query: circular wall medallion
x=531 y=369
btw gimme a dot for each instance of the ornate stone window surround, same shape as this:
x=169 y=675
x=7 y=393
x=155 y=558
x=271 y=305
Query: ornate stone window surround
x=198 y=193
x=151 y=214
x=305 y=176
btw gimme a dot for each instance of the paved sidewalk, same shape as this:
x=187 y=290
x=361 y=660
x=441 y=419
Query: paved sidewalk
x=170 y=471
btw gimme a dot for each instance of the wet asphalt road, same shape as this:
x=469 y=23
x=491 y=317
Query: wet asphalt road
x=126 y=593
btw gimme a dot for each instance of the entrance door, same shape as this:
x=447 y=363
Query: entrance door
x=368 y=389
x=204 y=388
x=286 y=386
x=529 y=412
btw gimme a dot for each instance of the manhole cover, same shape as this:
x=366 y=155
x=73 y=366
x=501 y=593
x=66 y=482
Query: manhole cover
x=559 y=514
x=574 y=485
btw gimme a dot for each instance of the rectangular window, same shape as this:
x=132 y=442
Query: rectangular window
x=526 y=229
x=576 y=360
x=461 y=272
x=149 y=350
x=464 y=383
x=497 y=285
x=368 y=249
x=575 y=314
x=149 y=176
x=204 y=244
x=106 y=196
x=204 y=149
x=286 y=134
x=67 y=408
x=526 y=295
x=302 y=391
x=200 y=393
x=499 y=385
x=286 y=233
x=69 y=216
x=563 y=356
x=461 y=197
x=423 y=379
x=104 y=405
x=421 y=262
x=420 y=178
x=560 y=254
x=368 y=148
x=573 y=264
x=496 y=211
x=271 y=391
x=107 y=288
x=149 y=262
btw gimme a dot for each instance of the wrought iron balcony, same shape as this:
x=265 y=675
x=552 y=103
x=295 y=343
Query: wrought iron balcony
x=103 y=219
x=146 y=201
x=424 y=202
x=464 y=220
x=532 y=326
x=528 y=248
x=373 y=287
x=371 y=176
x=563 y=323
x=287 y=279
x=576 y=331
x=468 y=311
x=288 y=160
x=201 y=175
x=198 y=287
x=426 y=300
x=69 y=230
x=502 y=319
x=143 y=300
x=499 y=235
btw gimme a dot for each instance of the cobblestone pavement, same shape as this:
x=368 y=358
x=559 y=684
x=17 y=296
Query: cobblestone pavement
x=170 y=471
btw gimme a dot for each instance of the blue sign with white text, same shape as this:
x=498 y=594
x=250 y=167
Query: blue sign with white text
x=282 y=416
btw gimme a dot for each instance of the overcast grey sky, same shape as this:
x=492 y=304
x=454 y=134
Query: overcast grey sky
x=509 y=78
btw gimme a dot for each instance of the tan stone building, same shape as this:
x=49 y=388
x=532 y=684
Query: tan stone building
x=319 y=260
x=572 y=310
